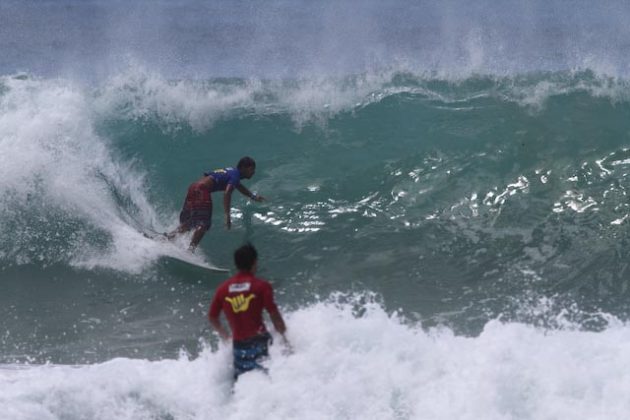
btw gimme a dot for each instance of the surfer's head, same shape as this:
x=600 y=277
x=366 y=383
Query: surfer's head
x=246 y=257
x=247 y=167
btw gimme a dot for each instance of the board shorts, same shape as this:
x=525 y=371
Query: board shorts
x=250 y=352
x=197 y=210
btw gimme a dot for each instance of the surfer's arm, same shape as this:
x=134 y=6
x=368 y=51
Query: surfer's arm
x=247 y=193
x=269 y=304
x=281 y=327
x=278 y=322
x=227 y=205
x=216 y=324
x=215 y=312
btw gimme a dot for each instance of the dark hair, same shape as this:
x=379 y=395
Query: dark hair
x=246 y=162
x=245 y=257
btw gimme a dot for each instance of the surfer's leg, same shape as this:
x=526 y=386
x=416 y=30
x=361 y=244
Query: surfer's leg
x=196 y=198
x=183 y=227
x=201 y=225
x=196 y=214
x=184 y=214
x=249 y=354
x=197 y=237
x=188 y=216
x=201 y=218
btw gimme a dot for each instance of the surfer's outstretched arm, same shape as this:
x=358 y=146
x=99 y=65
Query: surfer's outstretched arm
x=247 y=193
x=227 y=206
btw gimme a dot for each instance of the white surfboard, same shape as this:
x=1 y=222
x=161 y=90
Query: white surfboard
x=193 y=259
x=172 y=251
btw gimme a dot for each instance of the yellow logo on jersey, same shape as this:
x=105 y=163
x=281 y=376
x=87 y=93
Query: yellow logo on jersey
x=240 y=303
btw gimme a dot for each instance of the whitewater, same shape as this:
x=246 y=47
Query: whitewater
x=446 y=227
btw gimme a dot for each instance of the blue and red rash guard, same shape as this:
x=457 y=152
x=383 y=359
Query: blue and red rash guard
x=243 y=298
x=224 y=177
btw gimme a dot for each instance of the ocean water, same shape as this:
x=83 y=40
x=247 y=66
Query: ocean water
x=447 y=215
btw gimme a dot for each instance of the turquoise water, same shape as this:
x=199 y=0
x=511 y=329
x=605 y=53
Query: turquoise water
x=444 y=242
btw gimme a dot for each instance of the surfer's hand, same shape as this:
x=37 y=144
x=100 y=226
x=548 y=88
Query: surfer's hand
x=228 y=223
x=288 y=348
x=259 y=198
x=224 y=336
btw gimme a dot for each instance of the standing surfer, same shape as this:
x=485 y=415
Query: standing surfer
x=196 y=212
x=242 y=298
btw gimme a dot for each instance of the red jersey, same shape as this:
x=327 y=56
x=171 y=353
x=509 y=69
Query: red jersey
x=243 y=298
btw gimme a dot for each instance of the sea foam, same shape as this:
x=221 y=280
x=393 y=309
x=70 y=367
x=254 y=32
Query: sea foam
x=350 y=362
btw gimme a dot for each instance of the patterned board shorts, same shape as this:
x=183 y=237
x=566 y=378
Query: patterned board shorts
x=249 y=353
x=197 y=210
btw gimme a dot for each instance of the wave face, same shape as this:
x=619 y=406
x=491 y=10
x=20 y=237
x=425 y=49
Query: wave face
x=447 y=208
x=485 y=190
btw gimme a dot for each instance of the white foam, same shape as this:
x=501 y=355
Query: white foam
x=141 y=93
x=51 y=160
x=375 y=367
